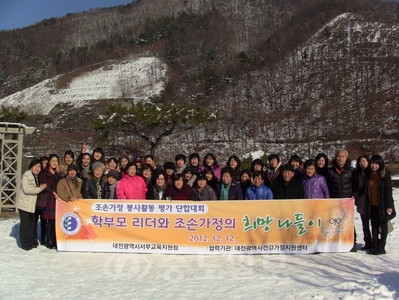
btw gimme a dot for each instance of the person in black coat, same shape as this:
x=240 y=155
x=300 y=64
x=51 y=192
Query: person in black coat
x=379 y=201
x=322 y=164
x=212 y=180
x=235 y=164
x=339 y=176
x=229 y=190
x=96 y=187
x=340 y=180
x=359 y=181
x=288 y=187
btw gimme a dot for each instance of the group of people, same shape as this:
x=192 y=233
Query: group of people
x=91 y=176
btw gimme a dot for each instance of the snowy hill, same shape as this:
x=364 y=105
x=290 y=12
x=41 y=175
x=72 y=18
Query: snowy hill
x=136 y=78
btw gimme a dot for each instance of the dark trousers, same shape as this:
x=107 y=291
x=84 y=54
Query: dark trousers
x=26 y=229
x=50 y=234
x=375 y=227
x=39 y=213
x=366 y=229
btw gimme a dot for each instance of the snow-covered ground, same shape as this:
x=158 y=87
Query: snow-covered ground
x=135 y=78
x=47 y=274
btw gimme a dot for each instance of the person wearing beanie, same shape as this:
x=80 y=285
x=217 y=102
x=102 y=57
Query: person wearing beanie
x=69 y=188
x=257 y=165
x=137 y=161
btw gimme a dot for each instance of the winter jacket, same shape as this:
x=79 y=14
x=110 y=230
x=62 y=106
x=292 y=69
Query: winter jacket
x=292 y=190
x=89 y=188
x=259 y=193
x=29 y=190
x=315 y=187
x=216 y=171
x=155 y=192
x=271 y=175
x=298 y=174
x=207 y=194
x=214 y=183
x=131 y=188
x=85 y=172
x=244 y=187
x=185 y=193
x=340 y=184
x=192 y=180
x=322 y=171
x=384 y=196
x=45 y=176
x=63 y=169
x=236 y=175
x=66 y=188
x=235 y=192
x=359 y=192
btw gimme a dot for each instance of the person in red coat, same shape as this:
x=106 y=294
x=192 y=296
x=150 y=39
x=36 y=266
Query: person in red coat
x=179 y=190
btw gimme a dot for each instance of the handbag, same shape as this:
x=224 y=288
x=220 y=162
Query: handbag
x=41 y=201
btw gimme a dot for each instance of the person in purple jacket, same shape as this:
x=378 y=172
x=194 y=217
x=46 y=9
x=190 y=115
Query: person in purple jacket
x=314 y=185
x=229 y=190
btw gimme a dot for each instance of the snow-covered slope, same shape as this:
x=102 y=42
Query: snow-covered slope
x=135 y=78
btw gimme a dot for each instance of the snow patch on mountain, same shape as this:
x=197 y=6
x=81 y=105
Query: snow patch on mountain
x=136 y=78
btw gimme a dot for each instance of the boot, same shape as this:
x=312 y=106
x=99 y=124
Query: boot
x=43 y=225
x=50 y=241
x=367 y=246
x=354 y=248
x=374 y=246
x=380 y=248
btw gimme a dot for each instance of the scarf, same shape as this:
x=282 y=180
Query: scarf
x=224 y=192
x=159 y=192
x=98 y=186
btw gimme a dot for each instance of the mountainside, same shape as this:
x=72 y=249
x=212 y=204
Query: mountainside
x=136 y=79
x=285 y=76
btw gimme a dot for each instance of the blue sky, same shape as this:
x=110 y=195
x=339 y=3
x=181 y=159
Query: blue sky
x=21 y=13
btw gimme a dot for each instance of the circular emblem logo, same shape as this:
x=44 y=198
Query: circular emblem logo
x=70 y=223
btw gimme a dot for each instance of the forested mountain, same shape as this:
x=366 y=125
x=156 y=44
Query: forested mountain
x=283 y=75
